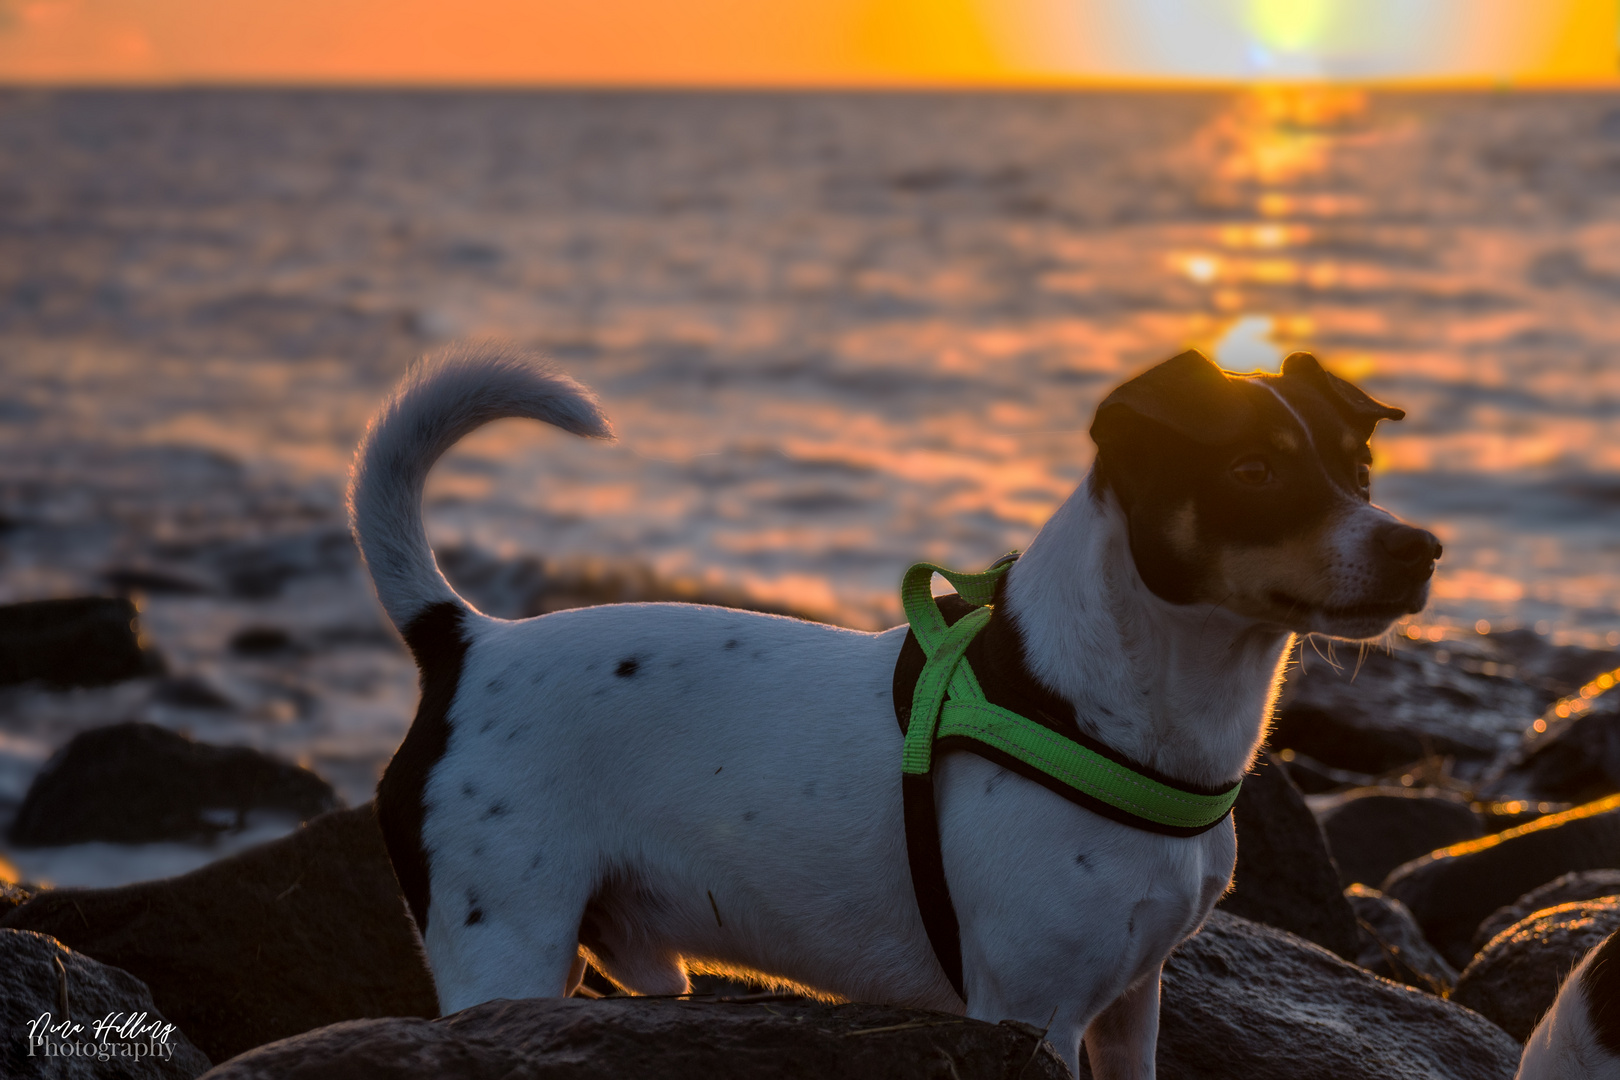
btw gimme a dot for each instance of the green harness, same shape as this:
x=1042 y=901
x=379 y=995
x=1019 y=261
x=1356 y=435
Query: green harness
x=947 y=702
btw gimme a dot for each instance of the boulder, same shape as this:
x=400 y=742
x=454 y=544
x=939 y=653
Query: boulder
x=1248 y=1002
x=1388 y=708
x=1560 y=669
x=1574 y=759
x=1285 y=876
x=1451 y=891
x=1393 y=945
x=71 y=992
x=88 y=641
x=1581 y=885
x=291 y=935
x=15 y=894
x=563 y=1039
x=1514 y=981
x=134 y=783
x=1372 y=830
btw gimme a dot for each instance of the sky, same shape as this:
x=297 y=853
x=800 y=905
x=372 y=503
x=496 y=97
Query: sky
x=805 y=42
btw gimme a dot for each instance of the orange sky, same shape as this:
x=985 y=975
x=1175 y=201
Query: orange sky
x=803 y=42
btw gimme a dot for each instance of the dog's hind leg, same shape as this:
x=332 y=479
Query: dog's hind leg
x=1121 y=1041
x=483 y=956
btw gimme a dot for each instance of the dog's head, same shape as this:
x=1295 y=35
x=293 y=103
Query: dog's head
x=1253 y=492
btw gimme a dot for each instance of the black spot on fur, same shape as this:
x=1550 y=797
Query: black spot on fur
x=751 y=815
x=733 y=643
x=435 y=640
x=468 y=790
x=1601 y=981
x=475 y=916
x=494 y=686
x=809 y=790
x=1080 y=860
x=627 y=667
x=486 y=727
x=496 y=809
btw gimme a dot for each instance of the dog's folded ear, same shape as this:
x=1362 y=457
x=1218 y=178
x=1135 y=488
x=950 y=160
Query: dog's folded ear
x=1187 y=394
x=1350 y=400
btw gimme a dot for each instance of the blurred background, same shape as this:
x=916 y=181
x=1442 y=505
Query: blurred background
x=849 y=275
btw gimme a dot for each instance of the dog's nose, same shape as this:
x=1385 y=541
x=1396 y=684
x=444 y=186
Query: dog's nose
x=1409 y=546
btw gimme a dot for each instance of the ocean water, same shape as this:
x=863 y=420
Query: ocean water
x=837 y=333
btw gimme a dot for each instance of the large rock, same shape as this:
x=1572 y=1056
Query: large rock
x=134 y=783
x=1575 y=759
x=90 y=641
x=1569 y=889
x=564 y=1039
x=1393 y=945
x=1452 y=890
x=1247 y=1002
x=1285 y=877
x=39 y=978
x=1514 y=981
x=291 y=935
x=1371 y=831
x=1388 y=708
x=1559 y=669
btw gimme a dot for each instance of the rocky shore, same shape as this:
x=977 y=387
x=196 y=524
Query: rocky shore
x=1431 y=839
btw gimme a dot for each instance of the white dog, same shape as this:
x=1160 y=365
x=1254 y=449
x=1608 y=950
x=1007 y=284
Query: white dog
x=669 y=787
x=1579 y=1038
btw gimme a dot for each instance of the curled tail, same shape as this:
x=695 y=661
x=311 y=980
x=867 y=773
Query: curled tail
x=438 y=402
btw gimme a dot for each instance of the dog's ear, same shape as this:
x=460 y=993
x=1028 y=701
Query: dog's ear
x=1187 y=394
x=1355 y=405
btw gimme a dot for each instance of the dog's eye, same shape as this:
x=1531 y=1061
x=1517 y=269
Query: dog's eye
x=1364 y=476
x=1252 y=471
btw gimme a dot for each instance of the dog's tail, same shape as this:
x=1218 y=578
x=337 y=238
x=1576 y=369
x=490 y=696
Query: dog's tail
x=438 y=402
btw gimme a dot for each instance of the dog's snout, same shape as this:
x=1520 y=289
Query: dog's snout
x=1409 y=546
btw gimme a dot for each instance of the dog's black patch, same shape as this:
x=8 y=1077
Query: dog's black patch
x=474 y=917
x=468 y=790
x=733 y=643
x=435 y=640
x=627 y=667
x=486 y=727
x=1601 y=981
x=809 y=790
x=1080 y=860
x=750 y=815
x=495 y=686
x=496 y=809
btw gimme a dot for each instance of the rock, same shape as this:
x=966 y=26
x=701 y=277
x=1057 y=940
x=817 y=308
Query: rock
x=1581 y=885
x=291 y=935
x=91 y=641
x=1285 y=876
x=1393 y=945
x=1371 y=831
x=1560 y=669
x=1452 y=890
x=1247 y=1002
x=1575 y=759
x=1389 y=708
x=135 y=783
x=38 y=976
x=564 y=1039
x=1514 y=981
x=263 y=641
x=1314 y=778
x=14 y=894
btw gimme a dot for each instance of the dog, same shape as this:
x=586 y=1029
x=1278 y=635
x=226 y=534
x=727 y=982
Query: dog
x=661 y=788
x=1579 y=1038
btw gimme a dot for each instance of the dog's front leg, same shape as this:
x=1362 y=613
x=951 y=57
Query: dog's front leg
x=1121 y=1041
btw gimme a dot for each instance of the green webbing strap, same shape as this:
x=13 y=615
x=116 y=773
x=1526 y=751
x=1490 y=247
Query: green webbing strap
x=968 y=714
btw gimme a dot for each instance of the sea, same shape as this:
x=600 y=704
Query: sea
x=837 y=333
